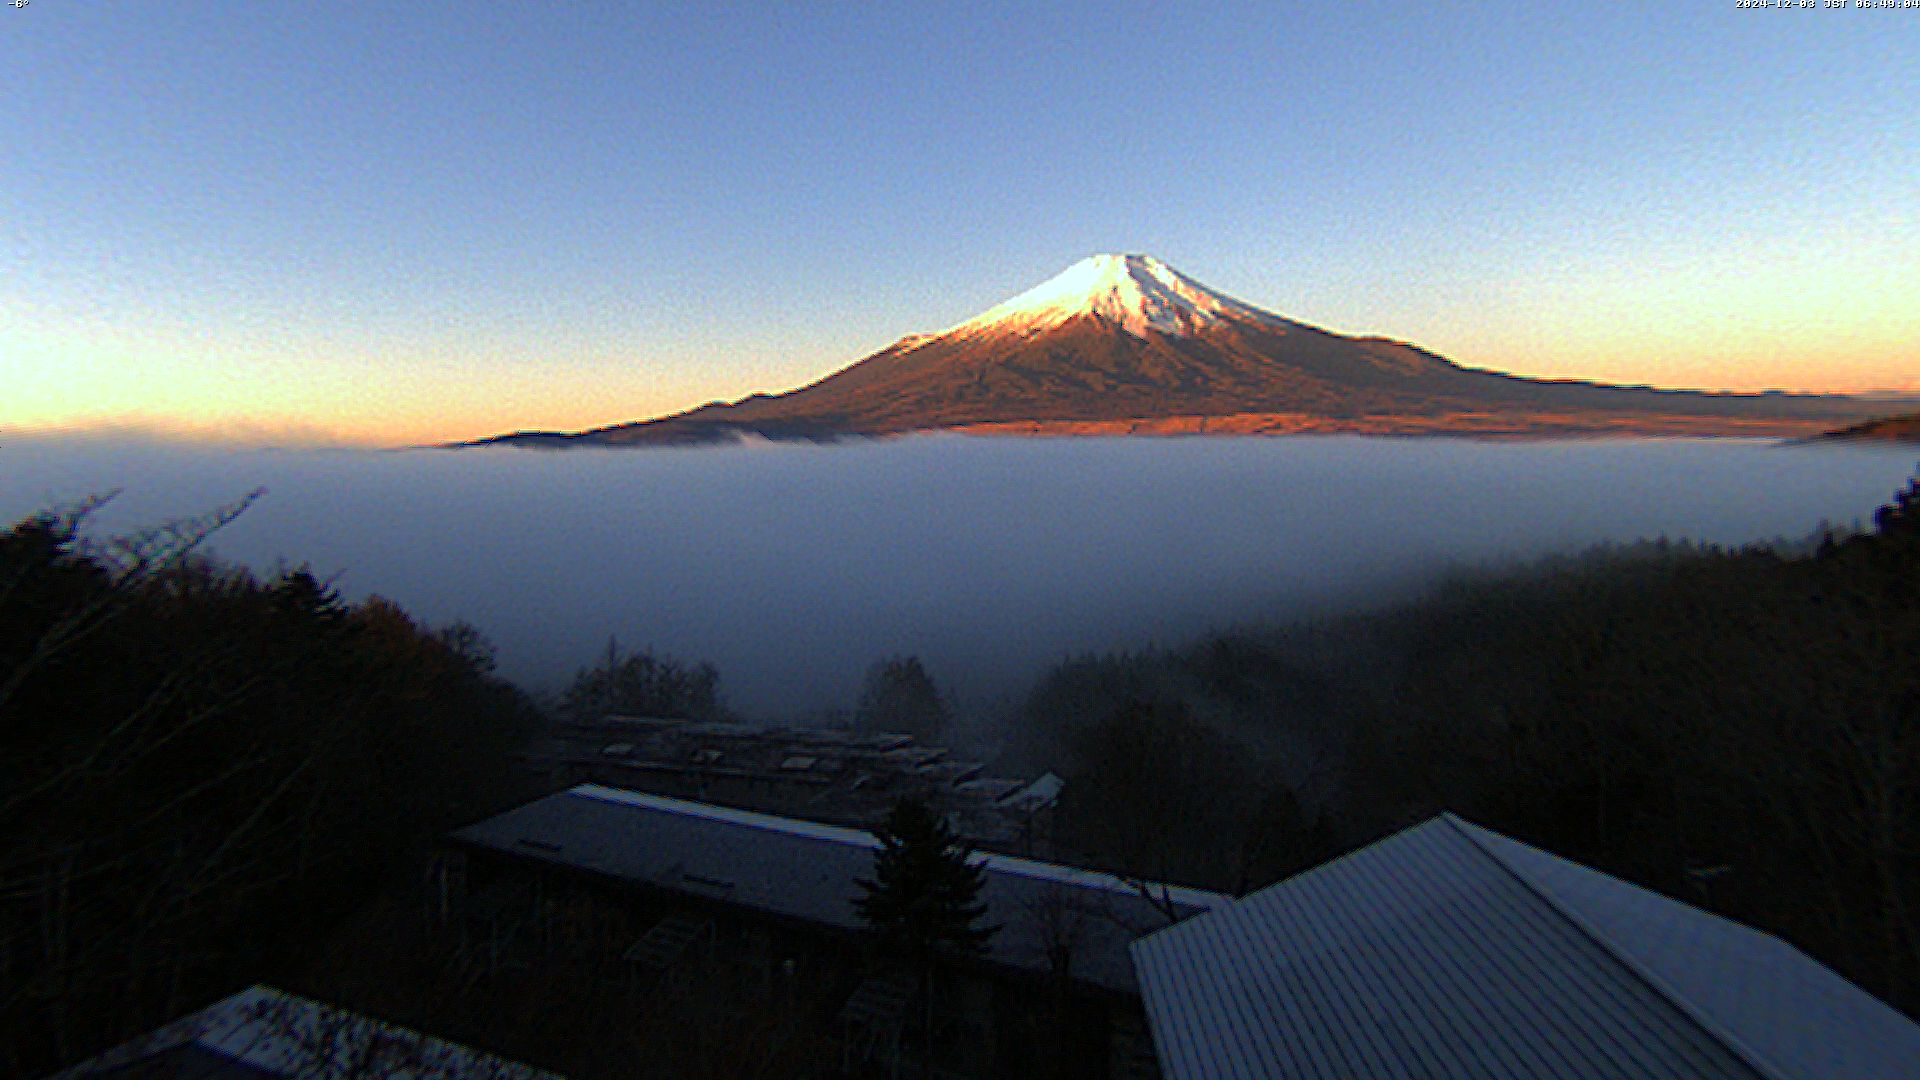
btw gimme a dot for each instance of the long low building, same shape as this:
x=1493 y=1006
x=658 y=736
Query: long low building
x=685 y=893
x=1450 y=952
x=805 y=871
x=817 y=773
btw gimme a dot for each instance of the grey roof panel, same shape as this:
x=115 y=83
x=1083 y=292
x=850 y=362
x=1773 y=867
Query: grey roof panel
x=1786 y=1012
x=1421 y=957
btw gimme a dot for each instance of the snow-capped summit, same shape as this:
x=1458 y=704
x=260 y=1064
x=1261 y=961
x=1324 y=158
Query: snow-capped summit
x=1135 y=293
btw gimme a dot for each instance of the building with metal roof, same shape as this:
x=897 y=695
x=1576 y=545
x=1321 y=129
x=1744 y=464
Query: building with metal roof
x=1449 y=951
x=805 y=871
x=267 y=1034
x=821 y=774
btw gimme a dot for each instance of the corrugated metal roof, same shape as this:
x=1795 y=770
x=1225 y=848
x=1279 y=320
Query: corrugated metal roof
x=1446 y=951
x=1789 y=1014
x=806 y=870
x=263 y=1032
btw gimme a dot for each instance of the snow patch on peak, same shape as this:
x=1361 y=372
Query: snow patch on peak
x=1136 y=293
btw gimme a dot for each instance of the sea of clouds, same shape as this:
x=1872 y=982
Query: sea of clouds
x=794 y=567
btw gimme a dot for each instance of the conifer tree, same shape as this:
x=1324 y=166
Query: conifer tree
x=923 y=898
x=899 y=695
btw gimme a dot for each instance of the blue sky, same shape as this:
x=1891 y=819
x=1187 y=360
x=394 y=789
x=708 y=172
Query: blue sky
x=379 y=222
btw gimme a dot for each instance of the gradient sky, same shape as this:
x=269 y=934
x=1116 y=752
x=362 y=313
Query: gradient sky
x=390 y=223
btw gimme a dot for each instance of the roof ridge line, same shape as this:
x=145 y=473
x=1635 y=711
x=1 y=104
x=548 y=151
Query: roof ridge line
x=730 y=815
x=1719 y=1032
x=850 y=836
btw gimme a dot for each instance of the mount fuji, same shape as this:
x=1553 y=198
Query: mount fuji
x=1125 y=344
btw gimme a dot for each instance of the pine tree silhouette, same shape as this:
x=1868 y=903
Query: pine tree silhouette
x=923 y=899
x=923 y=896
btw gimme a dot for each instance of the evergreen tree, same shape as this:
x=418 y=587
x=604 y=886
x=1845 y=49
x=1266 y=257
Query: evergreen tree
x=923 y=898
x=900 y=696
x=301 y=595
x=1902 y=516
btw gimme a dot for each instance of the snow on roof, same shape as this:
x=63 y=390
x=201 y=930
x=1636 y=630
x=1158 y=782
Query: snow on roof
x=263 y=1032
x=806 y=870
x=1040 y=794
x=1449 y=951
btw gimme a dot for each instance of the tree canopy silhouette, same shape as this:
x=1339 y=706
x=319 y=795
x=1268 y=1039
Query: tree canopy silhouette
x=641 y=684
x=1739 y=728
x=199 y=768
x=899 y=695
x=923 y=898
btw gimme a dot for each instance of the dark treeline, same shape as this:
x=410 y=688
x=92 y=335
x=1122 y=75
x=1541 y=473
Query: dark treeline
x=642 y=684
x=899 y=695
x=203 y=771
x=210 y=777
x=1736 y=728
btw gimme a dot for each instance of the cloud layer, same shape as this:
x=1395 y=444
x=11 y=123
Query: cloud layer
x=794 y=567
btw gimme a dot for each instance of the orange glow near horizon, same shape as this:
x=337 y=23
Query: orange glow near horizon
x=234 y=407
x=1801 y=324
x=404 y=413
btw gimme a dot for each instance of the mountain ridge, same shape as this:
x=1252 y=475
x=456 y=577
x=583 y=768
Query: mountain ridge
x=1903 y=428
x=1124 y=344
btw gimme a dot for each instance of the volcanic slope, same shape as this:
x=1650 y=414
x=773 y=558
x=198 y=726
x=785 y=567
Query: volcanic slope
x=1888 y=429
x=1126 y=344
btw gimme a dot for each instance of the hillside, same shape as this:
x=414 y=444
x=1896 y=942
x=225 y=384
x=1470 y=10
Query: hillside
x=1886 y=429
